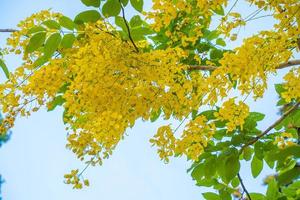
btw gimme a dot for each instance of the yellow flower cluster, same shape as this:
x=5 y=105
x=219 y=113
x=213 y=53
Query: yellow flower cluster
x=165 y=140
x=230 y=22
x=74 y=179
x=192 y=142
x=175 y=18
x=292 y=85
x=105 y=86
x=19 y=39
x=287 y=12
x=195 y=137
x=233 y=114
x=259 y=56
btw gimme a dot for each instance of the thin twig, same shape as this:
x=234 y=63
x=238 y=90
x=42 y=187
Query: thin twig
x=211 y=68
x=127 y=26
x=295 y=107
x=243 y=186
x=202 y=67
x=7 y=30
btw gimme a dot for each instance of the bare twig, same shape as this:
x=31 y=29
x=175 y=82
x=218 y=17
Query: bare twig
x=288 y=64
x=287 y=113
x=211 y=68
x=202 y=67
x=7 y=30
x=243 y=186
x=127 y=26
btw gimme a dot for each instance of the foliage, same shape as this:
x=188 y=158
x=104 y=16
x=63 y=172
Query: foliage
x=166 y=63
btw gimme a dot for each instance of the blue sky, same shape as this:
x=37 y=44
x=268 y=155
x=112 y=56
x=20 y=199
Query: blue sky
x=34 y=161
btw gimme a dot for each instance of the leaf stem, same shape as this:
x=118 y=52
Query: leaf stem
x=127 y=26
x=287 y=113
x=243 y=186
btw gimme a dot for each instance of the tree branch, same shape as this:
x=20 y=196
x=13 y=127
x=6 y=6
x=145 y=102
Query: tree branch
x=127 y=26
x=288 y=64
x=202 y=67
x=7 y=30
x=271 y=127
x=211 y=68
x=243 y=186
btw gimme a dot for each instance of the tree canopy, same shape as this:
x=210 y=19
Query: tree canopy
x=170 y=62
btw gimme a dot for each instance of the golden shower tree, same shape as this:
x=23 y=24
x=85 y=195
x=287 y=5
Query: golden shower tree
x=107 y=71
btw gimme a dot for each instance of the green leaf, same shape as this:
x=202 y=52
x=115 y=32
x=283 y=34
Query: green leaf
x=155 y=115
x=111 y=8
x=124 y=2
x=36 y=29
x=259 y=150
x=209 y=114
x=198 y=172
x=210 y=167
x=194 y=114
x=256 y=116
x=95 y=3
x=66 y=22
x=270 y=162
x=36 y=41
x=57 y=101
x=247 y=153
x=137 y=4
x=51 y=24
x=211 y=196
x=136 y=21
x=256 y=166
x=224 y=195
x=210 y=35
x=219 y=134
x=205 y=182
x=292 y=189
x=231 y=167
x=139 y=33
x=257 y=196
x=279 y=88
x=288 y=151
x=288 y=176
x=220 y=42
x=235 y=182
x=219 y=11
x=272 y=191
x=216 y=54
x=40 y=61
x=237 y=140
x=87 y=16
x=281 y=102
x=4 y=68
x=119 y=21
x=52 y=44
x=68 y=40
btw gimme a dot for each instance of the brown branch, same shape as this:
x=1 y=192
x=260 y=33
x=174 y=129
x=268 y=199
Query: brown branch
x=243 y=186
x=7 y=30
x=270 y=127
x=127 y=26
x=202 y=67
x=288 y=64
x=211 y=68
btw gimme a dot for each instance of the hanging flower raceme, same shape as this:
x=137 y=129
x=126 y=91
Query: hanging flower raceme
x=233 y=114
x=191 y=143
